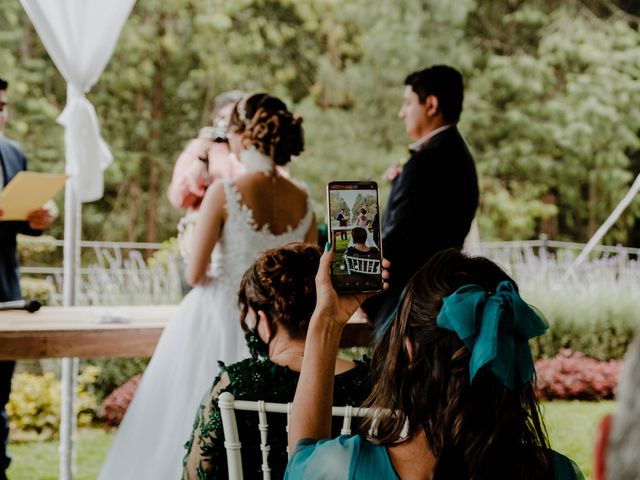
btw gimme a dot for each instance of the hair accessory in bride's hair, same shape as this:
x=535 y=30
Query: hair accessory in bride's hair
x=242 y=111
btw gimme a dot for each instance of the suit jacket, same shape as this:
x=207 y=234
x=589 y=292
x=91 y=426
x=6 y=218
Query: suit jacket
x=12 y=161
x=431 y=206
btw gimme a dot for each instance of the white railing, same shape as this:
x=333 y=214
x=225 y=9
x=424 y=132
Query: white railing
x=119 y=275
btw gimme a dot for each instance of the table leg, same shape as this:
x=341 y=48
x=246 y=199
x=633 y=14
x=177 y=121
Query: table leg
x=68 y=418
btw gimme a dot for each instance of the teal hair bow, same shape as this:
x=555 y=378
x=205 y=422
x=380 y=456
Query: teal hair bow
x=496 y=328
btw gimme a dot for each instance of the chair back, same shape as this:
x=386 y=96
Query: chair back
x=362 y=265
x=228 y=406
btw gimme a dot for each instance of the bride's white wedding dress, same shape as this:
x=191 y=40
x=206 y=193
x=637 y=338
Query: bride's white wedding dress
x=149 y=443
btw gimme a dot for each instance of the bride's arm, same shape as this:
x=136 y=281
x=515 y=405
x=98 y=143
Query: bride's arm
x=208 y=229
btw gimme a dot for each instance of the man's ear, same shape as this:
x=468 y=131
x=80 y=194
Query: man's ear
x=264 y=326
x=433 y=105
x=409 y=346
x=600 y=448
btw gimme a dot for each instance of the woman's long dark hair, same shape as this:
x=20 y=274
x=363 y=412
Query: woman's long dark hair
x=477 y=431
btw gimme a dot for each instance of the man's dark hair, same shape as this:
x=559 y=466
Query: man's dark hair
x=3 y=84
x=443 y=82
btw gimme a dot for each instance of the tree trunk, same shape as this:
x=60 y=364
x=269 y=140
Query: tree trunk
x=157 y=97
x=133 y=208
x=549 y=226
x=25 y=40
x=592 y=224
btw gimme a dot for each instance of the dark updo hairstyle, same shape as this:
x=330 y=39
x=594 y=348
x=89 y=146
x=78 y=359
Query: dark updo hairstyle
x=359 y=235
x=266 y=123
x=479 y=430
x=281 y=283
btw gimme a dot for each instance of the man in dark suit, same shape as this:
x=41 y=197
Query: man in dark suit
x=434 y=198
x=342 y=222
x=12 y=161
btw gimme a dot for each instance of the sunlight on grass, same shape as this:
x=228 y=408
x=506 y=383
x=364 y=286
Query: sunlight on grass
x=39 y=460
x=572 y=427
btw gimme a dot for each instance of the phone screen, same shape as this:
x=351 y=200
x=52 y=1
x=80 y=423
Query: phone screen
x=354 y=220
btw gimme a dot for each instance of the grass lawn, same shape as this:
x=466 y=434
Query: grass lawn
x=340 y=248
x=39 y=460
x=571 y=427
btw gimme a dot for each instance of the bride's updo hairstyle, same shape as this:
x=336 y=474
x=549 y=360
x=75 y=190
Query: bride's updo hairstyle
x=266 y=124
x=281 y=283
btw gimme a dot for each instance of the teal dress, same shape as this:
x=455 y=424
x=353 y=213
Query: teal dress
x=354 y=458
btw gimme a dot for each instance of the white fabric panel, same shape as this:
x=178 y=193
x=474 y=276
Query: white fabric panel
x=80 y=36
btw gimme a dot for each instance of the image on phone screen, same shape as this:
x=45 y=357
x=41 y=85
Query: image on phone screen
x=354 y=222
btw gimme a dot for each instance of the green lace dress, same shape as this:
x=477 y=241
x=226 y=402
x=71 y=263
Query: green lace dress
x=257 y=378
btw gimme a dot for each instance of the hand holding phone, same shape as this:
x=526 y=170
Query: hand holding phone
x=354 y=230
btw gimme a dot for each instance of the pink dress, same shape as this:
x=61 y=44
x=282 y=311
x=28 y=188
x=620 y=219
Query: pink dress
x=221 y=165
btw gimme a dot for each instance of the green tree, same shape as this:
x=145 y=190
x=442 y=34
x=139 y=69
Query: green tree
x=551 y=110
x=352 y=118
x=36 y=93
x=553 y=125
x=172 y=59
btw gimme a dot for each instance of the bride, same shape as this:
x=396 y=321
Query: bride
x=241 y=218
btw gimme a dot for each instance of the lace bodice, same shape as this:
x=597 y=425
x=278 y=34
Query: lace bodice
x=242 y=241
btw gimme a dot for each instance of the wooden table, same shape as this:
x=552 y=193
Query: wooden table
x=55 y=332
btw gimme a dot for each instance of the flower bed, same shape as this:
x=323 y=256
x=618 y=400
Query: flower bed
x=574 y=376
x=116 y=404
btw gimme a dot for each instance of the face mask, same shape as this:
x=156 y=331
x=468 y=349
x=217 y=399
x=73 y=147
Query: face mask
x=258 y=348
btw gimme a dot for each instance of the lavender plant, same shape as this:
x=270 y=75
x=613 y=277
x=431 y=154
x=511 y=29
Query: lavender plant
x=592 y=308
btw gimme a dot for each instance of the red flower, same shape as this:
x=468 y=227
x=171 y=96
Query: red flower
x=574 y=376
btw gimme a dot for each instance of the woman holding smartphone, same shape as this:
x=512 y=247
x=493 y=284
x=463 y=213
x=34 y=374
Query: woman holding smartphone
x=452 y=377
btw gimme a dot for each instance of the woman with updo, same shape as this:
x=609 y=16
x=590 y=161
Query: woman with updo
x=277 y=297
x=239 y=219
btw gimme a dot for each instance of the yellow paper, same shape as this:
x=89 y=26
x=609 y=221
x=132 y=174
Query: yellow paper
x=28 y=191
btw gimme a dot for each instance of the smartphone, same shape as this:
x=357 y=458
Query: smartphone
x=354 y=229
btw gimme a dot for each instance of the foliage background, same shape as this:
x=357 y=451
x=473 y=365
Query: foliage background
x=551 y=113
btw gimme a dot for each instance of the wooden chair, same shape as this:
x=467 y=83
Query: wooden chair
x=228 y=405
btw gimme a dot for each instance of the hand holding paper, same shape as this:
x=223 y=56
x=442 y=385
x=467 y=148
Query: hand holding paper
x=24 y=196
x=39 y=219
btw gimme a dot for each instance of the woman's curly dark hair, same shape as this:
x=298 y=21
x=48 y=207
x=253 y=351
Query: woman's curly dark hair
x=266 y=123
x=281 y=283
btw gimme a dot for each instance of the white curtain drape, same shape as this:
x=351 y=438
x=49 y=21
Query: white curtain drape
x=80 y=36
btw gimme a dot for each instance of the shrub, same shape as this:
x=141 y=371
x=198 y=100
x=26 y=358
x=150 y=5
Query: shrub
x=599 y=324
x=574 y=376
x=116 y=404
x=29 y=246
x=166 y=255
x=113 y=373
x=34 y=404
x=37 y=289
x=590 y=309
